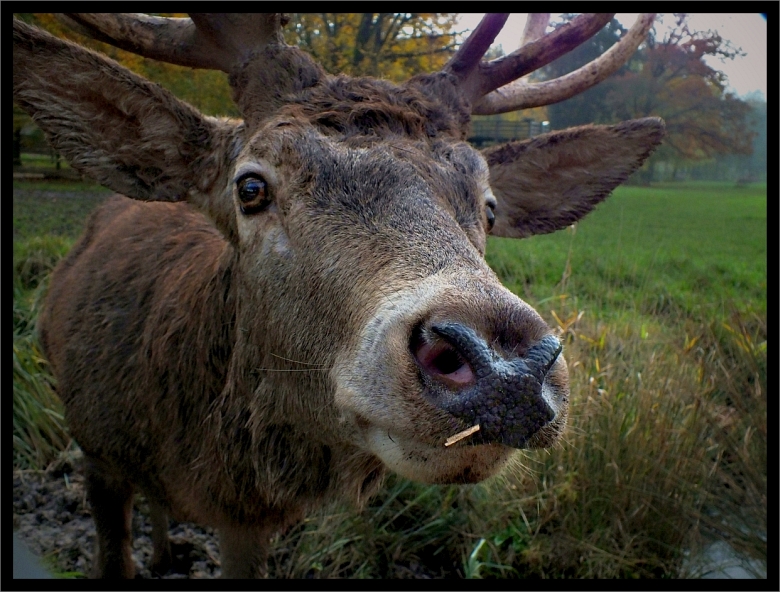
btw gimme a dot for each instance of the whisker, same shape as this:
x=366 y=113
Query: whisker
x=296 y=361
x=290 y=369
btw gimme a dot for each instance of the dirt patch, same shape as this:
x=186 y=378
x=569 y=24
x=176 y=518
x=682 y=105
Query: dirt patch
x=51 y=517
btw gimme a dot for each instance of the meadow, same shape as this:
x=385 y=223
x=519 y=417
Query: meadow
x=660 y=298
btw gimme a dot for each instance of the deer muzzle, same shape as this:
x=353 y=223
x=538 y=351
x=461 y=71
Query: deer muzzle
x=468 y=379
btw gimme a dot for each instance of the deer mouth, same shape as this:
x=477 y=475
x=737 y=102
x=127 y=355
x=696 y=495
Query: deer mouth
x=422 y=462
x=478 y=427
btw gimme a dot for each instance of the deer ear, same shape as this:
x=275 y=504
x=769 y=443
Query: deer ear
x=125 y=132
x=551 y=181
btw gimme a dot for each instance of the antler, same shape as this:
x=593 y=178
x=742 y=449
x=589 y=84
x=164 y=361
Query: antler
x=535 y=27
x=496 y=86
x=211 y=41
x=223 y=41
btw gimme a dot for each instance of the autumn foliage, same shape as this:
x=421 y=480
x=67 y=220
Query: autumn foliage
x=674 y=81
x=395 y=46
x=668 y=77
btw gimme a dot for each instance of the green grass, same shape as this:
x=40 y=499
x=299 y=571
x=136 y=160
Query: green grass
x=651 y=250
x=47 y=220
x=660 y=298
x=57 y=208
x=42 y=161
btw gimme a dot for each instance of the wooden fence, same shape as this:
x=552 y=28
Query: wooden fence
x=485 y=132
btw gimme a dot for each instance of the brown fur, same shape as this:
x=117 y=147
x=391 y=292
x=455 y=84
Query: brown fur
x=244 y=369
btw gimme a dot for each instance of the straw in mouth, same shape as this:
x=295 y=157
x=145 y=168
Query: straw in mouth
x=461 y=435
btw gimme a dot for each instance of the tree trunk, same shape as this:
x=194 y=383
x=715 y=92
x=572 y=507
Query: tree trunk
x=17 y=149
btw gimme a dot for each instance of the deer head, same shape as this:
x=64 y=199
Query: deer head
x=357 y=217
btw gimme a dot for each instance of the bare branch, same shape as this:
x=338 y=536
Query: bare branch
x=522 y=95
x=417 y=54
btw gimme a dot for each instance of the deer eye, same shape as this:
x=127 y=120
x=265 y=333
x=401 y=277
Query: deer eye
x=490 y=215
x=252 y=193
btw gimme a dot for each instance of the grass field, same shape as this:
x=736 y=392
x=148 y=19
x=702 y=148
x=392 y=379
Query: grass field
x=691 y=248
x=660 y=296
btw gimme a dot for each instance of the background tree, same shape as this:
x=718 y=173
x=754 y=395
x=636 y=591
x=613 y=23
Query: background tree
x=589 y=106
x=669 y=78
x=386 y=45
x=674 y=82
x=21 y=119
x=742 y=168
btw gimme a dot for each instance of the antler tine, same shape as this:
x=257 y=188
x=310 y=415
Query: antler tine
x=210 y=41
x=539 y=53
x=522 y=95
x=173 y=40
x=466 y=60
x=535 y=27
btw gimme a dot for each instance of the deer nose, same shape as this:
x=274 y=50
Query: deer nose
x=467 y=378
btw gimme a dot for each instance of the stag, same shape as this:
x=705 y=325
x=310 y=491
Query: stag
x=283 y=308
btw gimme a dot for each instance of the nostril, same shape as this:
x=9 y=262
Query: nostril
x=506 y=396
x=542 y=356
x=442 y=361
x=440 y=358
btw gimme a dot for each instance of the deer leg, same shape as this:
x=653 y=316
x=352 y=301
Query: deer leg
x=244 y=551
x=161 y=544
x=111 y=500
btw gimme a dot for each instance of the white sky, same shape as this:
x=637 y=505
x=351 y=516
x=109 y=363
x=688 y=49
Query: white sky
x=748 y=31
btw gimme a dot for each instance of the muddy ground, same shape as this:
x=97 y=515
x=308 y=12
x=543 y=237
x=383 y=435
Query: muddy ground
x=51 y=516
